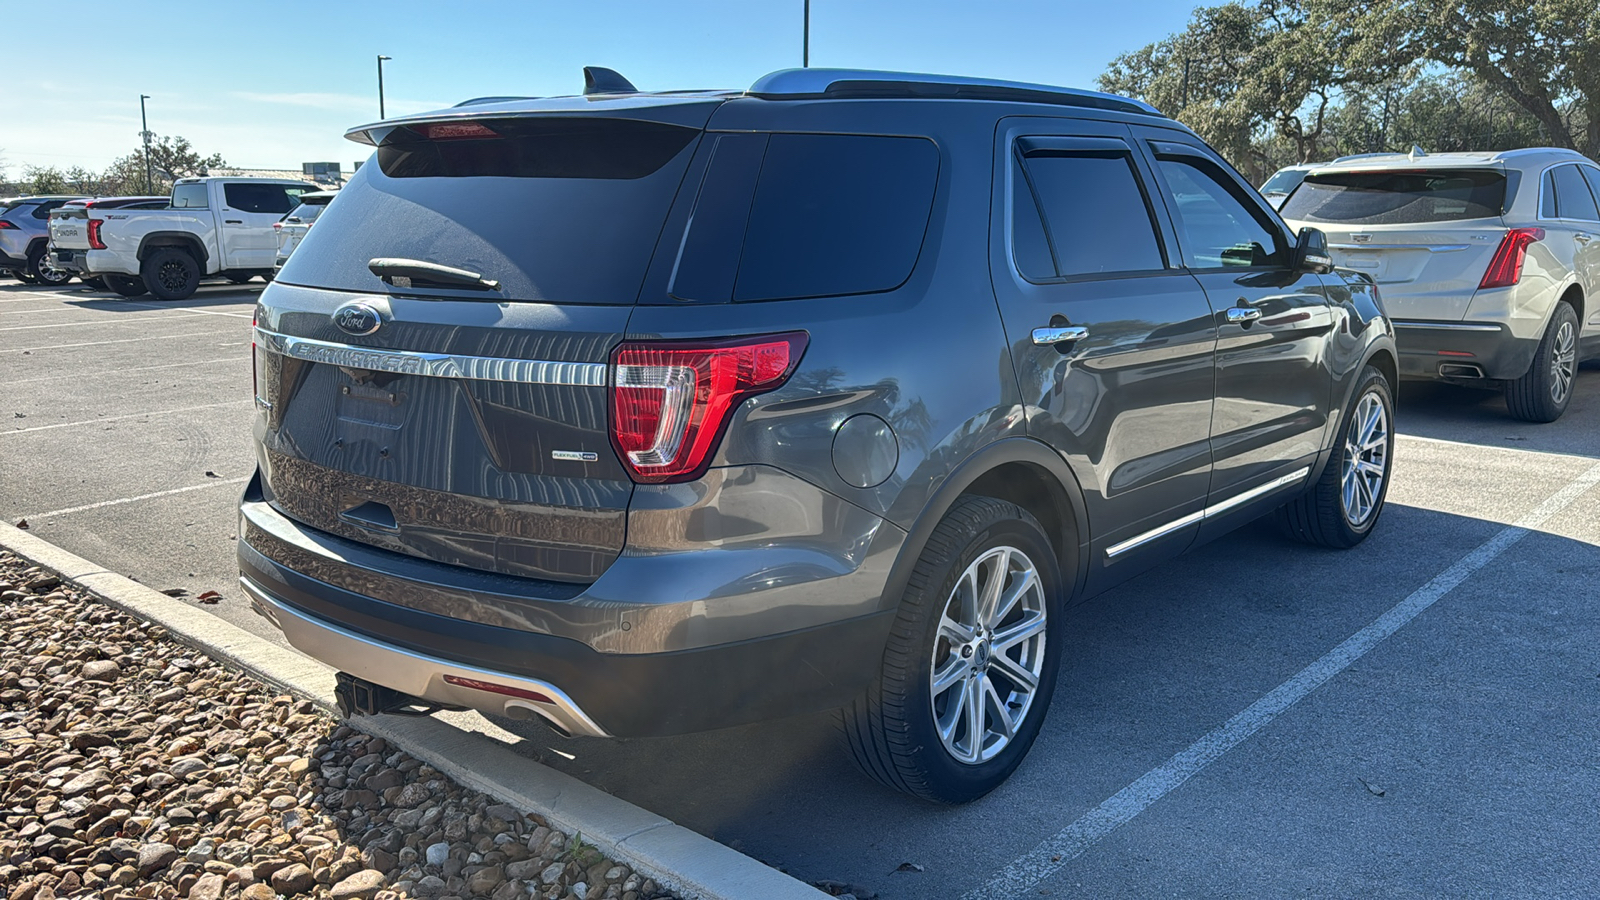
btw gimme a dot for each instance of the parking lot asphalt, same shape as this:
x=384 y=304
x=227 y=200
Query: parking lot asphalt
x=1415 y=717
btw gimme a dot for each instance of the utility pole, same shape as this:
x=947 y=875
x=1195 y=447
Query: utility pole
x=805 y=46
x=144 y=125
x=380 y=87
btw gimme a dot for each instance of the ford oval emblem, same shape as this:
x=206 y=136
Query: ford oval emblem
x=357 y=319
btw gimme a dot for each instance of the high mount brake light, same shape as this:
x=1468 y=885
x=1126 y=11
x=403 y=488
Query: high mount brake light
x=671 y=400
x=1505 y=269
x=448 y=131
x=95 y=243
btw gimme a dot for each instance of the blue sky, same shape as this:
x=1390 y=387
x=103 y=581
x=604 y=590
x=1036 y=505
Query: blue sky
x=275 y=84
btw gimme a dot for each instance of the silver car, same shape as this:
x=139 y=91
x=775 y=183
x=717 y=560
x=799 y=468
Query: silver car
x=1489 y=263
x=25 y=237
x=294 y=225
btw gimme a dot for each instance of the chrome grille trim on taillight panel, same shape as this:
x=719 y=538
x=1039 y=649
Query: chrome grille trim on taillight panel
x=436 y=365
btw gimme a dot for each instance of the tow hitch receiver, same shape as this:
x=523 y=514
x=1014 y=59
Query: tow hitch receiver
x=358 y=697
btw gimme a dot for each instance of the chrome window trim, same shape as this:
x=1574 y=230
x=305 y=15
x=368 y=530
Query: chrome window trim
x=434 y=365
x=1214 y=509
x=1445 y=326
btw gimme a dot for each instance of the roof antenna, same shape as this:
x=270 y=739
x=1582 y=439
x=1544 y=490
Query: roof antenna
x=600 y=80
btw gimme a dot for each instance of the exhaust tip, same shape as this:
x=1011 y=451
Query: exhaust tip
x=1460 y=370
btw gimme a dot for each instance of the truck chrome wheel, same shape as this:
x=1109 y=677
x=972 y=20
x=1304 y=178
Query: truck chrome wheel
x=1563 y=362
x=988 y=655
x=1366 y=459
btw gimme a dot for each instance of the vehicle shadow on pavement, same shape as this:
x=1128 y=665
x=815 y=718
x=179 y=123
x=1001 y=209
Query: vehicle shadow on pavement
x=1149 y=667
x=1473 y=416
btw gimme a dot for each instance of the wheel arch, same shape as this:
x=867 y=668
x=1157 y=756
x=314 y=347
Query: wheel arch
x=1019 y=470
x=1573 y=295
x=181 y=239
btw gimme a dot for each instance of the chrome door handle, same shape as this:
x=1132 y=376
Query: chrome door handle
x=1241 y=315
x=1066 y=334
x=1584 y=236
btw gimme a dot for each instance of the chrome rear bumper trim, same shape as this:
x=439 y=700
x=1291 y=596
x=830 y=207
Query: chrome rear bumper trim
x=436 y=365
x=416 y=674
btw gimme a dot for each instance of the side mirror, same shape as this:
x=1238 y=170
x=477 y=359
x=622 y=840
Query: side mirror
x=1311 y=252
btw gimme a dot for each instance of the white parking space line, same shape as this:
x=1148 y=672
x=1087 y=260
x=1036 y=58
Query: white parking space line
x=137 y=340
x=103 y=503
x=198 y=312
x=179 y=365
x=1024 y=874
x=1472 y=448
x=139 y=415
x=103 y=320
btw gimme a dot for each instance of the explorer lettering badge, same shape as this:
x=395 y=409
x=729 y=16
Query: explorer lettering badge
x=357 y=319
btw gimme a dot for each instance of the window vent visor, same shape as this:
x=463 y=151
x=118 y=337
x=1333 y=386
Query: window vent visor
x=671 y=401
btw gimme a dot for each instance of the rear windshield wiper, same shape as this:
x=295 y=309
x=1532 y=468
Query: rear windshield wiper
x=406 y=273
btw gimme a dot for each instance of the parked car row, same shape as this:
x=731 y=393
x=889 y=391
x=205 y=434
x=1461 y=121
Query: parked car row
x=228 y=228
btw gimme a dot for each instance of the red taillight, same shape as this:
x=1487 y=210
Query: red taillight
x=670 y=401
x=94 y=234
x=1505 y=269
x=6 y=226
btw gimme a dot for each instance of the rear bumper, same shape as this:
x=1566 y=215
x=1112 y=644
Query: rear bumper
x=75 y=261
x=620 y=662
x=1462 y=351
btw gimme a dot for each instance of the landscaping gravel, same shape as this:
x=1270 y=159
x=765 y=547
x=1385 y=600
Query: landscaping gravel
x=134 y=767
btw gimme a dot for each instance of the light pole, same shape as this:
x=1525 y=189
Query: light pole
x=805 y=46
x=380 y=86
x=144 y=124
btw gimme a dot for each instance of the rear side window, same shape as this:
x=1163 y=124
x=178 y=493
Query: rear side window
x=306 y=212
x=189 y=196
x=807 y=215
x=262 y=198
x=1396 y=198
x=42 y=211
x=1096 y=218
x=564 y=211
x=1573 y=200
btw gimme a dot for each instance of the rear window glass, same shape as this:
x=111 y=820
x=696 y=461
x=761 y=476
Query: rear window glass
x=1393 y=198
x=189 y=196
x=1284 y=181
x=808 y=215
x=554 y=223
x=306 y=212
x=263 y=198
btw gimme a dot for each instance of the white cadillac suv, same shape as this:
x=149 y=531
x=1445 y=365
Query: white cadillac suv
x=1489 y=263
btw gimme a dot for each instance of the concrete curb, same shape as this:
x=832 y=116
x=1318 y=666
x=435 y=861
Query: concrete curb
x=674 y=856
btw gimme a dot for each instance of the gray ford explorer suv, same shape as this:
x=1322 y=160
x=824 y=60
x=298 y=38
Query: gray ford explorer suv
x=648 y=413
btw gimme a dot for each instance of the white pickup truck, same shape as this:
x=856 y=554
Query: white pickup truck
x=213 y=226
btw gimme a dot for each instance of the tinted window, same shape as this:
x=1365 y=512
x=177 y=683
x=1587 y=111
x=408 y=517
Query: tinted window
x=262 y=198
x=306 y=212
x=42 y=211
x=1394 y=198
x=1592 y=176
x=554 y=238
x=1547 y=196
x=1215 y=226
x=1029 y=247
x=1284 y=181
x=189 y=196
x=533 y=148
x=836 y=214
x=1573 y=200
x=1095 y=214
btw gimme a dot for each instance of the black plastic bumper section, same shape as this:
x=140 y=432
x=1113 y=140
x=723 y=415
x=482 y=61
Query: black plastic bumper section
x=1428 y=350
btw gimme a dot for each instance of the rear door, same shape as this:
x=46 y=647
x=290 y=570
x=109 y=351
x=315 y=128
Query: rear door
x=1424 y=235
x=1273 y=381
x=249 y=210
x=1113 y=343
x=460 y=425
x=1570 y=215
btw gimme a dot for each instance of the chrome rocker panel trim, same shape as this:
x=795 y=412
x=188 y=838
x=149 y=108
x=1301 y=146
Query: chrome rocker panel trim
x=1444 y=326
x=1216 y=509
x=416 y=674
x=434 y=365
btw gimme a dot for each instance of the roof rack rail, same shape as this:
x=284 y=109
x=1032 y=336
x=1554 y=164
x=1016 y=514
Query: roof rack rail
x=804 y=84
x=477 y=100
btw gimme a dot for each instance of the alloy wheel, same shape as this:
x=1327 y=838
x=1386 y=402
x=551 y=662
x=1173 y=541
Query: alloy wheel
x=49 y=274
x=1366 y=460
x=173 y=275
x=1563 y=362
x=988 y=655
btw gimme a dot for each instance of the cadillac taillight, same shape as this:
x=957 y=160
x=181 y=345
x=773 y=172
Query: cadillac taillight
x=671 y=400
x=1505 y=269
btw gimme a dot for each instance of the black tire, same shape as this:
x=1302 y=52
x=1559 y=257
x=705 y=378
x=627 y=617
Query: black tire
x=890 y=730
x=170 y=274
x=126 y=286
x=1543 y=394
x=23 y=276
x=94 y=283
x=41 y=272
x=1323 y=515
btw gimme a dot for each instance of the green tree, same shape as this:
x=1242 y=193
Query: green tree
x=173 y=157
x=44 y=180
